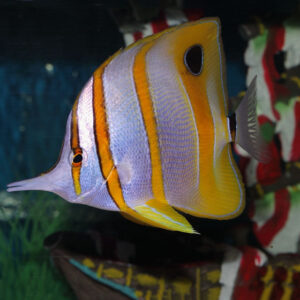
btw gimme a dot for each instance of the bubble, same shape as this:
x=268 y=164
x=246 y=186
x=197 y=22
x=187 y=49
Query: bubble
x=49 y=68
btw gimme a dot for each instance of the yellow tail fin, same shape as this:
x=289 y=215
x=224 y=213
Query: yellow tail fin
x=160 y=215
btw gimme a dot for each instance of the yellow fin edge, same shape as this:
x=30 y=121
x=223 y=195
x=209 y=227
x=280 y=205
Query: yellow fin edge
x=157 y=214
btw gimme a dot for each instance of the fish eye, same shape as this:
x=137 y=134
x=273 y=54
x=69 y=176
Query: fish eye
x=77 y=158
x=193 y=59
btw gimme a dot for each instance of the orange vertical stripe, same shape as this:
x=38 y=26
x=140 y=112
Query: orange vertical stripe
x=74 y=127
x=142 y=89
x=142 y=214
x=102 y=138
x=75 y=145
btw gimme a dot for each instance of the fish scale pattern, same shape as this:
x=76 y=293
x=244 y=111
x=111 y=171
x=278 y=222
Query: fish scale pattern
x=128 y=138
x=176 y=128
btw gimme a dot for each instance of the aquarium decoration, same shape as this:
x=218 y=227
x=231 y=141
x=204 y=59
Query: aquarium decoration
x=223 y=273
x=273 y=53
x=171 y=16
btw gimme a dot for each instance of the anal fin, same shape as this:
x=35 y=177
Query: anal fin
x=154 y=213
x=132 y=216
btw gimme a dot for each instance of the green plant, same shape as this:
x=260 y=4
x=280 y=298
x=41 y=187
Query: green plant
x=25 y=268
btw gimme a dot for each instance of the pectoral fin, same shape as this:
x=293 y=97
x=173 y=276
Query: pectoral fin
x=248 y=135
x=154 y=213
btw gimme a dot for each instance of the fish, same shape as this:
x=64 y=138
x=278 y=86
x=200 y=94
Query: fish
x=150 y=133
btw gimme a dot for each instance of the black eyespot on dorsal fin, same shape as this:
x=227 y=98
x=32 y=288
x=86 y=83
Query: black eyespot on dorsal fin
x=193 y=59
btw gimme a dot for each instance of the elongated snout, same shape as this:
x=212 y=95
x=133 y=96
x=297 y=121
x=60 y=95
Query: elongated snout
x=42 y=183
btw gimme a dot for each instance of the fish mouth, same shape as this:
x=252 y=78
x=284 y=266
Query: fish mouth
x=37 y=183
x=18 y=186
x=14 y=187
x=44 y=183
